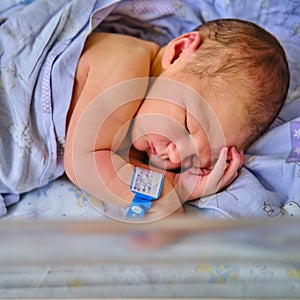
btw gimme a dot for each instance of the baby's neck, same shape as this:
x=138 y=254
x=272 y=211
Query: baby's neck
x=156 y=64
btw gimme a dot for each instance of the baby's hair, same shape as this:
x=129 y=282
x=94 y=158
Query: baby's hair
x=250 y=59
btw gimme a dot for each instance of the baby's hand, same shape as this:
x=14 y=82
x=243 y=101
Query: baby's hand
x=195 y=183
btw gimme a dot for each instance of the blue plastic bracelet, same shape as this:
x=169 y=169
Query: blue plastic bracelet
x=147 y=186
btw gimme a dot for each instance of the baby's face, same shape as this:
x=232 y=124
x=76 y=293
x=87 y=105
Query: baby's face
x=177 y=128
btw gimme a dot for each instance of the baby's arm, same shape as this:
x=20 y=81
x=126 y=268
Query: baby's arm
x=195 y=183
x=109 y=87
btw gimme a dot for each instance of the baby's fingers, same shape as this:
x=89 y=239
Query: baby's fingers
x=214 y=179
x=233 y=167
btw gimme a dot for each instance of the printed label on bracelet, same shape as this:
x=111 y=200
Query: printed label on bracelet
x=147 y=182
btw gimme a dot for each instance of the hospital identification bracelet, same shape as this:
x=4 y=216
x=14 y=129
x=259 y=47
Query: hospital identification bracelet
x=146 y=186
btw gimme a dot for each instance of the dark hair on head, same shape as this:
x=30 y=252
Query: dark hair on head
x=255 y=64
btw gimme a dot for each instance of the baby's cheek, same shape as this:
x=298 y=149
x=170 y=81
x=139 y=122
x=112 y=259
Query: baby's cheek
x=140 y=145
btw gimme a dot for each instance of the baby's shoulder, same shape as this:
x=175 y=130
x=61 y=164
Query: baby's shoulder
x=120 y=47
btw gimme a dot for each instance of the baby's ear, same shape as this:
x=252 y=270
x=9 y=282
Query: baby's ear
x=186 y=44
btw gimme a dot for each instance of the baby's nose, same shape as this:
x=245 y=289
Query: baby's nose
x=174 y=155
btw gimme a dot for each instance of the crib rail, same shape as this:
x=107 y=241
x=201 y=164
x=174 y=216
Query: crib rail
x=110 y=242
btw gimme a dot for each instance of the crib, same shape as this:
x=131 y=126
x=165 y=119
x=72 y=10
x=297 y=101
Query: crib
x=58 y=242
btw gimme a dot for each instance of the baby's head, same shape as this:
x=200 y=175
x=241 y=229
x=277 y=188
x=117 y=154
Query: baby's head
x=243 y=64
x=239 y=76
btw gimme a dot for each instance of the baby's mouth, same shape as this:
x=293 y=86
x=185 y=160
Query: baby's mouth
x=152 y=147
x=162 y=156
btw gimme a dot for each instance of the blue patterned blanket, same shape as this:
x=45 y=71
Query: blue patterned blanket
x=41 y=39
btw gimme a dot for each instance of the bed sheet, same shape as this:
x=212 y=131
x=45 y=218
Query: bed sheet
x=59 y=199
x=250 y=271
x=275 y=158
